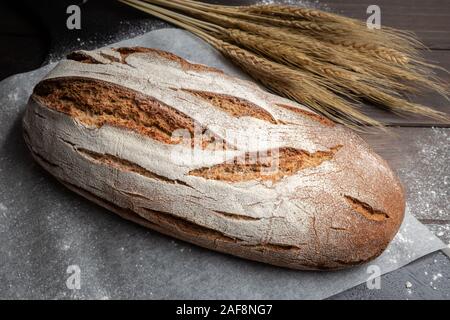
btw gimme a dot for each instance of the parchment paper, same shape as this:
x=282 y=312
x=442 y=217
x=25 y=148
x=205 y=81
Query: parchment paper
x=46 y=229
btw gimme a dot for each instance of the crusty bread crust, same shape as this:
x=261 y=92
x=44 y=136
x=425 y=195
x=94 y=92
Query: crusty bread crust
x=102 y=122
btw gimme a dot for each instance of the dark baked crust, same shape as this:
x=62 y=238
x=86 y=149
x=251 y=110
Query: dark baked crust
x=332 y=203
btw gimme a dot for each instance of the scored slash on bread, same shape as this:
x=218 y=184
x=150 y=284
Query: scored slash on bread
x=103 y=122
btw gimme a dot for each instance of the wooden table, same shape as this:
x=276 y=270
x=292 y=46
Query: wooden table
x=418 y=149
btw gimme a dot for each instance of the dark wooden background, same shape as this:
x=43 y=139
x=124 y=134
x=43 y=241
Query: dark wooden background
x=33 y=33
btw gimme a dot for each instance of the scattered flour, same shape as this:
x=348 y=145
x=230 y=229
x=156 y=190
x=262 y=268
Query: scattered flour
x=429 y=197
x=401 y=238
x=408 y=286
x=13 y=96
x=437 y=276
x=432 y=285
x=3 y=210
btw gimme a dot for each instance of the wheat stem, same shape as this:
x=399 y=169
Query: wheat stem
x=317 y=58
x=277 y=77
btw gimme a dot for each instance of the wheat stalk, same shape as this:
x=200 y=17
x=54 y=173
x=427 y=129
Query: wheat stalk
x=278 y=78
x=275 y=32
x=319 y=21
x=405 y=40
x=294 y=12
x=220 y=15
x=286 y=81
x=339 y=78
x=325 y=61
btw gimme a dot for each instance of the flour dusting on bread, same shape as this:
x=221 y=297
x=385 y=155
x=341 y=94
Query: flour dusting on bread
x=191 y=152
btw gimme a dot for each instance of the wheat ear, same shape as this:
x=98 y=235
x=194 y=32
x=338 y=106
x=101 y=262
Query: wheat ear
x=326 y=61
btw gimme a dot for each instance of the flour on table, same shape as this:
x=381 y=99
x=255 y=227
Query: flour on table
x=429 y=197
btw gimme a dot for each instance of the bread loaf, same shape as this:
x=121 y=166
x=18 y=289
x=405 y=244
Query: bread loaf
x=193 y=153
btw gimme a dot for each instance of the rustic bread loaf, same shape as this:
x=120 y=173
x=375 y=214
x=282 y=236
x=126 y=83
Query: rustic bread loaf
x=191 y=152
